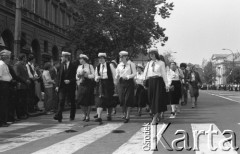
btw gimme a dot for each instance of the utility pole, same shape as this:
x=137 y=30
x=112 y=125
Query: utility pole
x=18 y=28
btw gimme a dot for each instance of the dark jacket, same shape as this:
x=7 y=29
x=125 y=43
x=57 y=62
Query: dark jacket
x=197 y=79
x=22 y=73
x=186 y=76
x=14 y=75
x=70 y=75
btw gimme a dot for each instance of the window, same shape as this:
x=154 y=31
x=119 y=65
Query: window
x=63 y=19
x=45 y=46
x=53 y=14
x=68 y=20
x=46 y=9
x=34 y=6
x=56 y=15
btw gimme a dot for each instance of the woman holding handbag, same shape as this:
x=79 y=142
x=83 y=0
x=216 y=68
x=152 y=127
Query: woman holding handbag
x=85 y=75
x=175 y=92
x=155 y=74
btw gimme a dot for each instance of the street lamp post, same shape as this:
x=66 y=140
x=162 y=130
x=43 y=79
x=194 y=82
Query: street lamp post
x=232 y=60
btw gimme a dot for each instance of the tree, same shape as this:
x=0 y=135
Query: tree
x=168 y=57
x=114 y=25
x=209 y=73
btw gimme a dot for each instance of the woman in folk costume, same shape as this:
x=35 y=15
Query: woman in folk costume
x=194 y=83
x=85 y=75
x=125 y=73
x=140 y=92
x=105 y=76
x=155 y=74
x=176 y=76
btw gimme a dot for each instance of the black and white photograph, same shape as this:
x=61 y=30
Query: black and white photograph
x=119 y=76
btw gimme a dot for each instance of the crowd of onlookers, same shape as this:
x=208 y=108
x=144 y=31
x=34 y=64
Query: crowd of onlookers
x=23 y=86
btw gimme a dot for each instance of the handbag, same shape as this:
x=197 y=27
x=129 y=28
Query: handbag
x=171 y=88
x=146 y=81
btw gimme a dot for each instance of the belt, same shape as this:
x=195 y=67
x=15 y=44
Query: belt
x=154 y=77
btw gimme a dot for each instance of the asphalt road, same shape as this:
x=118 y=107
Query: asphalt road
x=43 y=135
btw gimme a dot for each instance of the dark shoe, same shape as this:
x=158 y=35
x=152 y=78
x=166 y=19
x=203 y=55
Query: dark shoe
x=4 y=125
x=126 y=120
x=109 y=118
x=99 y=120
x=87 y=120
x=71 y=119
x=84 y=119
x=57 y=118
x=96 y=116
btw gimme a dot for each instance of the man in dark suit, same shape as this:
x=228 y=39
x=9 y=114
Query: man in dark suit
x=13 y=101
x=66 y=86
x=22 y=88
x=185 y=80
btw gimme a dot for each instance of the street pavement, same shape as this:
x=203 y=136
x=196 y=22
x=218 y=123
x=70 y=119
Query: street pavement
x=43 y=135
x=230 y=95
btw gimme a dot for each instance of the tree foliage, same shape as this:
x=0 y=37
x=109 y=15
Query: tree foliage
x=209 y=73
x=114 y=25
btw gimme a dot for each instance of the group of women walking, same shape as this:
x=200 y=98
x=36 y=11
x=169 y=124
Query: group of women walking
x=154 y=86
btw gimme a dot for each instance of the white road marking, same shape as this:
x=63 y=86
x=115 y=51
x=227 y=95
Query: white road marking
x=225 y=98
x=203 y=140
x=135 y=144
x=16 y=126
x=15 y=142
x=79 y=141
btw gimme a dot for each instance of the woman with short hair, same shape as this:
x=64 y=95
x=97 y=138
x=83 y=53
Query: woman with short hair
x=176 y=76
x=85 y=75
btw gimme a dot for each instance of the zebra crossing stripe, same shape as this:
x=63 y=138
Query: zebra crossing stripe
x=15 y=142
x=203 y=140
x=79 y=141
x=135 y=144
x=17 y=126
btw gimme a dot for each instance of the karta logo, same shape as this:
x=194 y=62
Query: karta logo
x=152 y=135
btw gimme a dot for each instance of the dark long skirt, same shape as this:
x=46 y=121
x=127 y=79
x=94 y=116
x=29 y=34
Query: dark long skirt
x=141 y=97
x=85 y=93
x=176 y=94
x=193 y=89
x=157 y=95
x=126 y=92
x=107 y=91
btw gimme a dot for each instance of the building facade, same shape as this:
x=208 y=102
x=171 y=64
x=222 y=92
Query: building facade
x=43 y=31
x=220 y=61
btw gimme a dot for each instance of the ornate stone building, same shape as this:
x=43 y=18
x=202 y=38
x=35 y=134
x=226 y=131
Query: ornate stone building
x=44 y=25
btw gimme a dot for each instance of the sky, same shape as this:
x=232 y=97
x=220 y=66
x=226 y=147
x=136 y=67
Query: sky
x=199 y=28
